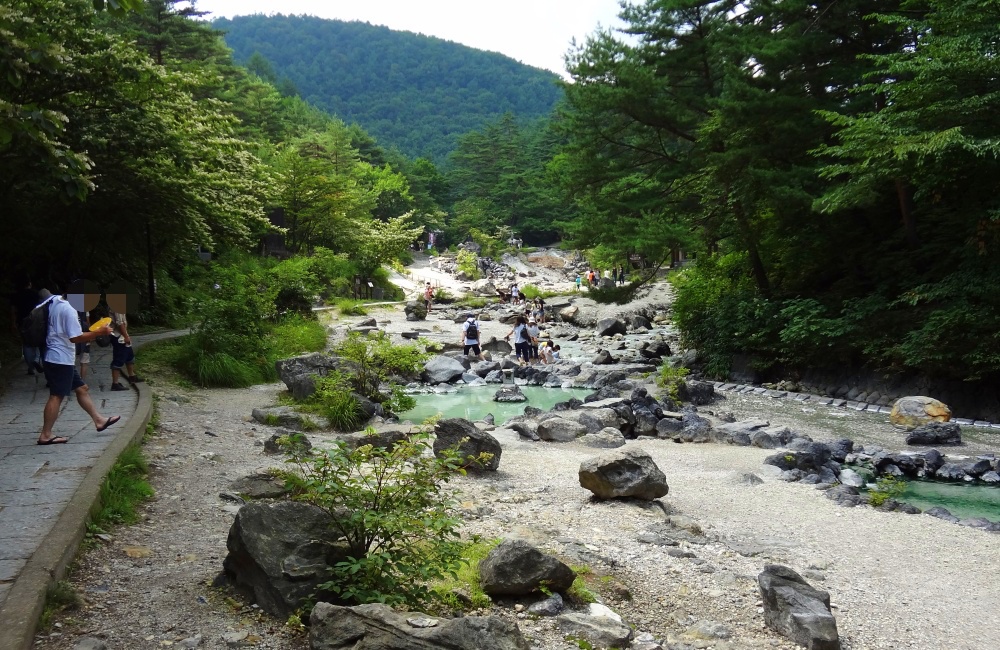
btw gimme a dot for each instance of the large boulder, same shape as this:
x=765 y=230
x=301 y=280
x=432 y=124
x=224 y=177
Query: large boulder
x=484 y=288
x=379 y=627
x=415 y=310
x=442 y=370
x=697 y=392
x=608 y=438
x=279 y=553
x=498 y=347
x=484 y=368
x=299 y=373
x=516 y=568
x=509 y=393
x=603 y=358
x=796 y=610
x=595 y=419
x=935 y=433
x=470 y=441
x=915 y=410
x=609 y=327
x=569 y=314
x=281 y=416
x=623 y=473
x=385 y=438
x=560 y=430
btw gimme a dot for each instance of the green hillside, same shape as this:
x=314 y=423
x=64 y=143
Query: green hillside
x=415 y=92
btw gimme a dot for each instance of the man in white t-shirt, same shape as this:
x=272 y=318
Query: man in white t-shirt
x=60 y=369
x=471 y=336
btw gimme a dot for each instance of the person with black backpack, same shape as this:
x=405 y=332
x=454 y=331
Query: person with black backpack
x=61 y=325
x=470 y=336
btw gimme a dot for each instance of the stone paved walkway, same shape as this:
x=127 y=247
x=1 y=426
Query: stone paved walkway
x=38 y=482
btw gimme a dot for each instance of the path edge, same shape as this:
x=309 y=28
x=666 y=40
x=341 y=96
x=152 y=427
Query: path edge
x=24 y=604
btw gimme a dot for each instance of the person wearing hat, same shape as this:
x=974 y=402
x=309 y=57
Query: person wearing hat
x=470 y=337
x=533 y=334
x=428 y=296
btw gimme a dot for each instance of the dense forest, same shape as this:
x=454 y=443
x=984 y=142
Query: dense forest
x=410 y=91
x=833 y=165
x=833 y=170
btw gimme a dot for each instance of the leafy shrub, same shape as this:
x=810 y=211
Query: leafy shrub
x=442 y=296
x=336 y=403
x=294 y=335
x=374 y=360
x=886 y=487
x=392 y=509
x=465 y=262
x=669 y=379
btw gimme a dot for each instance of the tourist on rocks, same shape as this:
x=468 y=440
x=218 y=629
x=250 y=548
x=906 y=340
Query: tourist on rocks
x=515 y=294
x=470 y=337
x=428 y=297
x=522 y=341
x=539 y=311
x=555 y=352
x=579 y=282
x=547 y=353
x=60 y=369
x=533 y=334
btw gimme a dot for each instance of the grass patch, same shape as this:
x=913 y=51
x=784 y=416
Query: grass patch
x=474 y=302
x=348 y=307
x=182 y=362
x=466 y=579
x=59 y=597
x=123 y=489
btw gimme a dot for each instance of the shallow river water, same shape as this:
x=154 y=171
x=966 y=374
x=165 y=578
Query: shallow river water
x=475 y=402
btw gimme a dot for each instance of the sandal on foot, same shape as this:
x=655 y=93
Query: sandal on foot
x=58 y=440
x=111 y=420
x=135 y=379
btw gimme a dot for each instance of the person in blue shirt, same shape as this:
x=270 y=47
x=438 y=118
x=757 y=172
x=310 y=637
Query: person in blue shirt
x=60 y=369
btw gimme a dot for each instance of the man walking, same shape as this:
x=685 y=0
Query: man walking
x=60 y=369
x=470 y=337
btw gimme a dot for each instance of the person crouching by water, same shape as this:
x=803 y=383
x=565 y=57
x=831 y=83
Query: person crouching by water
x=522 y=342
x=470 y=337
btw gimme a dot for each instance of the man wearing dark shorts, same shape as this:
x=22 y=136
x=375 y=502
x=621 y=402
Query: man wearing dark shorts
x=60 y=369
x=470 y=336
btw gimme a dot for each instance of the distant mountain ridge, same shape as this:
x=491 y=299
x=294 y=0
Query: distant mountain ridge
x=416 y=92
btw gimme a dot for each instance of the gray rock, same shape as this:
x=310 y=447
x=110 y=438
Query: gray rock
x=851 y=478
x=645 y=421
x=470 y=441
x=442 y=370
x=498 y=347
x=379 y=627
x=495 y=377
x=609 y=327
x=668 y=427
x=623 y=473
x=259 y=486
x=696 y=428
x=603 y=358
x=608 y=438
x=415 y=310
x=796 y=610
x=90 y=643
x=281 y=416
x=601 y=631
x=639 y=322
x=697 y=392
x=942 y=513
x=951 y=472
x=279 y=553
x=516 y=568
x=595 y=419
x=551 y=606
x=763 y=440
x=935 y=433
x=298 y=373
x=509 y=393
x=472 y=379
x=559 y=429
x=484 y=368
x=385 y=438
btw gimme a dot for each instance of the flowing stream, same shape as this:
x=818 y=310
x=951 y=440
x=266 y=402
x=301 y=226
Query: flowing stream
x=475 y=402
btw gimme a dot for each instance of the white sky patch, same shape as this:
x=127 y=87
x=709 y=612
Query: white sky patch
x=534 y=32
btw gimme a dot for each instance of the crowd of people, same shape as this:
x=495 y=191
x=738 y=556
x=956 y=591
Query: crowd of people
x=526 y=334
x=593 y=277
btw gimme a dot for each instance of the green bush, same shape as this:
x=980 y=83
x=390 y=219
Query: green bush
x=669 y=380
x=392 y=509
x=886 y=487
x=295 y=286
x=374 y=360
x=293 y=335
x=335 y=402
x=122 y=490
x=465 y=262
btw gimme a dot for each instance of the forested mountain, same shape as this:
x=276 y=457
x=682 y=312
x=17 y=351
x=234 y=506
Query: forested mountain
x=415 y=92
